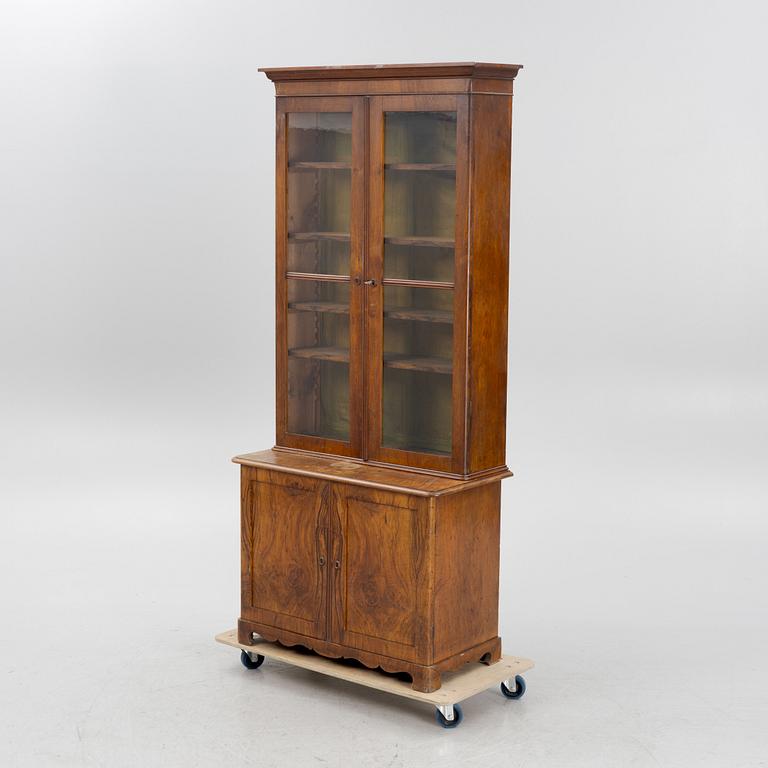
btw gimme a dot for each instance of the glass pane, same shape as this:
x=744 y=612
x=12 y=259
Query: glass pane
x=324 y=257
x=319 y=189
x=419 y=195
x=418 y=369
x=420 y=137
x=318 y=358
x=320 y=136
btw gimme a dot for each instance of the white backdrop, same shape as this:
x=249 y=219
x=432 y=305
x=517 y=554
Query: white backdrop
x=136 y=357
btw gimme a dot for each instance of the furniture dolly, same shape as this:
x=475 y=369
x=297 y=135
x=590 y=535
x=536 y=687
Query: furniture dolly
x=470 y=680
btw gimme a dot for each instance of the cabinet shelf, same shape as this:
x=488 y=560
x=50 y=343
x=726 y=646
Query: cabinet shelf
x=319 y=165
x=423 y=315
x=319 y=306
x=305 y=236
x=406 y=362
x=418 y=363
x=399 y=313
x=423 y=240
x=436 y=167
x=332 y=354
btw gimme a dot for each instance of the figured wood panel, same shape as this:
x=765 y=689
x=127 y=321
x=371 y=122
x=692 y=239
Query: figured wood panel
x=380 y=591
x=466 y=569
x=490 y=150
x=284 y=533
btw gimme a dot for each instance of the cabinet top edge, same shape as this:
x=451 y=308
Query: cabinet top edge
x=394 y=71
x=341 y=470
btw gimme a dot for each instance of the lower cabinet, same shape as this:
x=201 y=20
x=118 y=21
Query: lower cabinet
x=403 y=581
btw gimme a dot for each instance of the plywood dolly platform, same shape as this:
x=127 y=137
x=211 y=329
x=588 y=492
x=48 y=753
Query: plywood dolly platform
x=458 y=686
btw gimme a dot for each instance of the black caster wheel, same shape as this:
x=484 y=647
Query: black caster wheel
x=518 y=692
x=248 y=662
x=444 y=722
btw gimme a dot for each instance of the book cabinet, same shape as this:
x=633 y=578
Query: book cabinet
x=392 y=225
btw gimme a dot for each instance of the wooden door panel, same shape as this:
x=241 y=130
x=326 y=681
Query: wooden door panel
x=379 y=589
x=285 y=539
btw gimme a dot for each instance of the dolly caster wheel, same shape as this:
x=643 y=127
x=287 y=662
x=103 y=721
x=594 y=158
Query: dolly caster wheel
x=519 y=690
x=248 y=662
x=442 y=715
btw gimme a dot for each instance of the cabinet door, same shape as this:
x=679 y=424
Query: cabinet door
x=379 y=593
x=320 y=213
x=285 y=542
x=417 y=303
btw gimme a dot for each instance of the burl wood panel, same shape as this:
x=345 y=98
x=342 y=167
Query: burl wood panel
x=466 y=569
x=381 y=593
x=284 y=534
x=491 y=141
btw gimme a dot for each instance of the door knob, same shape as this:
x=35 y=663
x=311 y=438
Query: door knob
x=322 y=560
x=370 y=282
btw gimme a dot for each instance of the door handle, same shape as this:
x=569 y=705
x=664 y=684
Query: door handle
x=372 y=283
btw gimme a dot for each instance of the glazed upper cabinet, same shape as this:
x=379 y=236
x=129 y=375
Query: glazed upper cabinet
x=392 y=265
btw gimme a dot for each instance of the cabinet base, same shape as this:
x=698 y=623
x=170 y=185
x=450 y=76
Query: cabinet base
x=425 y=678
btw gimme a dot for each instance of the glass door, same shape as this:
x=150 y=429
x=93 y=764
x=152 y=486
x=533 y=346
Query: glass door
x=416 y=278
x=320 y=188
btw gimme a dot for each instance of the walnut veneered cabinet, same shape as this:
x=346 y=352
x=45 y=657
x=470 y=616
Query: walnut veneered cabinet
x=371 y=529
x=392 y=271
x=396 y=569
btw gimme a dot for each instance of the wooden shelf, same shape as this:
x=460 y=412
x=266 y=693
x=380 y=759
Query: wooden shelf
x=417 y=363
x=423 y=240
x=408 y=283
x=423 y=315
x=319 y=306
x=319 y=165
x=436 y=167
x=341 y=236
x=406 y=362
x=333 y=354
x=317 y=276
